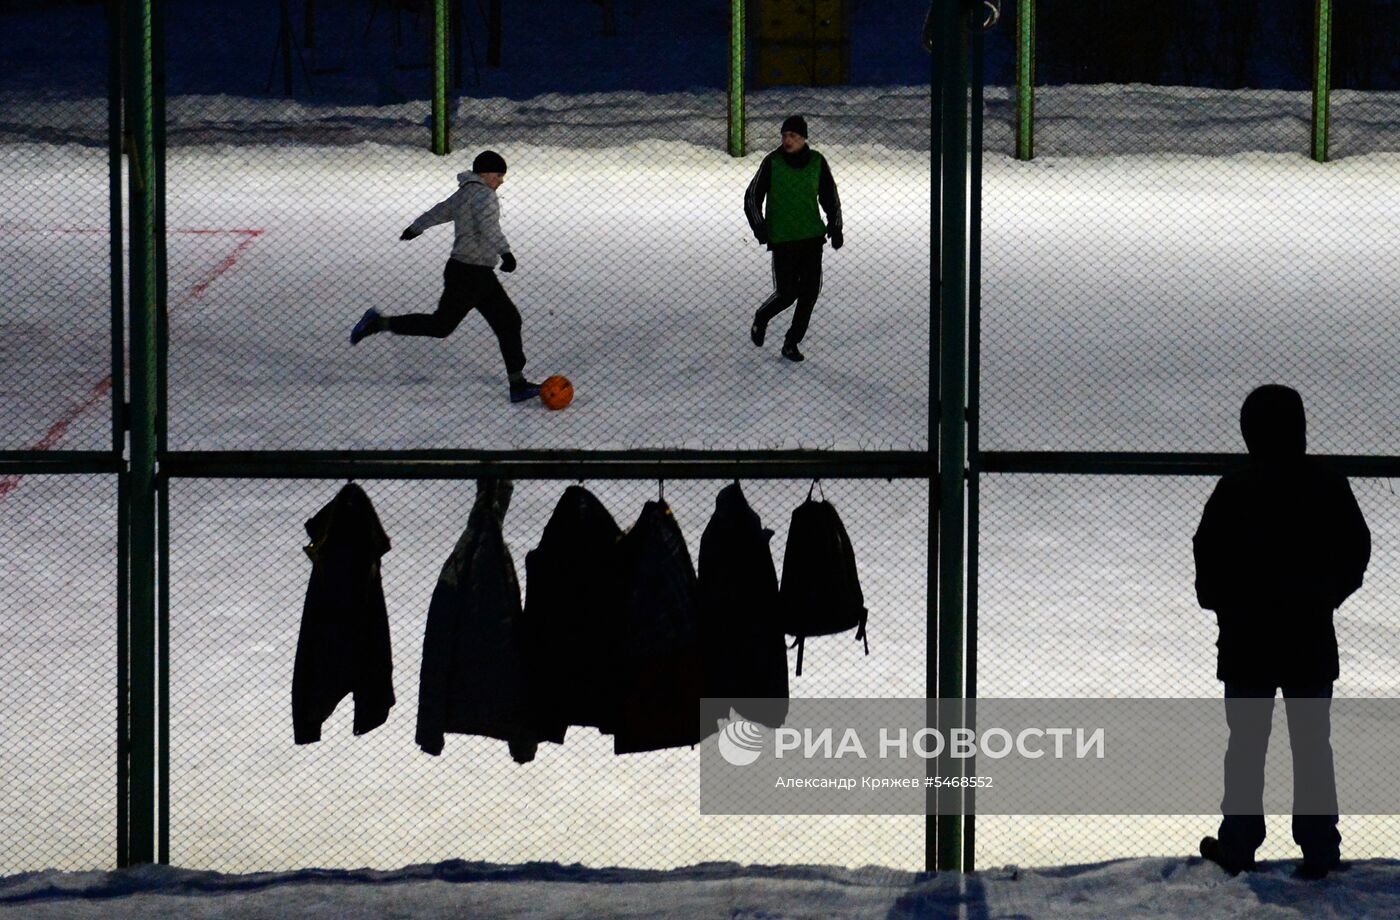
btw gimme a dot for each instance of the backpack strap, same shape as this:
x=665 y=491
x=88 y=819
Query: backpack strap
x=860 y=631
x=799 y=643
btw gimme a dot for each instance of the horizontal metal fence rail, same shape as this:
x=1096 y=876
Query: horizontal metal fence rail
x=547 y=464
x=49 y=463
x=1163 y=464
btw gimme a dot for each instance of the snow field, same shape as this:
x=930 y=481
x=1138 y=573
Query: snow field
x=1129 y=302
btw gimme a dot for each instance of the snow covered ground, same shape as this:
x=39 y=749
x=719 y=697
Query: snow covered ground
x=1130 y=300
x=1142 y=889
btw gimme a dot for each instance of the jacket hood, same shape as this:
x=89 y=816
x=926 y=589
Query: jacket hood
x=465 y=178
x=1273 y=423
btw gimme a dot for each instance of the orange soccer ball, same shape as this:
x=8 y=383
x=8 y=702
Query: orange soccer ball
x=556 y=392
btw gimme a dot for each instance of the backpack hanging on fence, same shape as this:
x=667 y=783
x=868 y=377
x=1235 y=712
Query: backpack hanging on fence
x=473 y=680
x=573 y=601
x=820 y=594
x=343 y=645
x=659 y=651
x=745 y=655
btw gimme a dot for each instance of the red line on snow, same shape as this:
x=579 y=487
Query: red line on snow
x=103 y=387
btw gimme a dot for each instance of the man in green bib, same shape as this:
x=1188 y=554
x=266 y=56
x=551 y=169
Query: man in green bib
x=793 y=179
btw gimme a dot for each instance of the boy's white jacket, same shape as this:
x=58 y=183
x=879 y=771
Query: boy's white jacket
x=476 y=216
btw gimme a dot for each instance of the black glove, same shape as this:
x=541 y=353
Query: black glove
x=409 y=233
x=761 y=234
x=507 y=262
x=837 y=240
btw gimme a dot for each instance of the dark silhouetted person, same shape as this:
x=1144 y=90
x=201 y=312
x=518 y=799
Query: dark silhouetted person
x=1281 y=544
x=793 y=179
x=469 y=280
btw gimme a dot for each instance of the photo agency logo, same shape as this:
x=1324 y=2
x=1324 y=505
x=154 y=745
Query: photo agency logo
x=1040 y=756
x=851 y=758
x=741 y=742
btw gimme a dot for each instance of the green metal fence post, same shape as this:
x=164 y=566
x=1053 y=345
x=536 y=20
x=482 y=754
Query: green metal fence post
x=116 y=30
x=116 y=274
x=952 y=440
x=737 y=137
x=442 y=142
x=1322 y=81
x=931 y=44
x=162 y=350
x=974 y=371
x=123 y=673
x=141 y=150
x=1025 y=79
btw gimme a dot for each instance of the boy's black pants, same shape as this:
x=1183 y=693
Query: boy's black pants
x=466 y=287
x=797 y=277
x=1249 y=712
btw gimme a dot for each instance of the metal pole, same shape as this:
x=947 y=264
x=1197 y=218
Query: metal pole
x=162 y=339
x=441 y=142
x=115 y=51
x=736 y=78
x=123 y=672
x=163 y=681
x=952 y=394
x=142 y=301
x=1322 y=81
x=931 y=43
x=1025 y=79
x=974 y=370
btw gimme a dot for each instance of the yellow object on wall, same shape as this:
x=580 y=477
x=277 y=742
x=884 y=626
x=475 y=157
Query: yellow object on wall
x=800 y=42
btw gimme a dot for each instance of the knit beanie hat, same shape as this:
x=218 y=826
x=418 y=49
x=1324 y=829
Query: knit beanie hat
x=488 y=161
x=796 y=124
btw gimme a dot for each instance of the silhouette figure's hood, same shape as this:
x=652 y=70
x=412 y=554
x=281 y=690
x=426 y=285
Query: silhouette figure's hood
x=1273 y=423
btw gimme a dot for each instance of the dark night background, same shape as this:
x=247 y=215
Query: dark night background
x=675 y=45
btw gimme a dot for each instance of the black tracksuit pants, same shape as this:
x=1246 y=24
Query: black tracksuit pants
x=466 y=287
x=797 y=278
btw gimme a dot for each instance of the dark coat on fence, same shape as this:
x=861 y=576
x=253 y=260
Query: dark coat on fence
x=473 y=679
x=573 y=605
x=1281 y=544
x=745 y=656
x=659 y=651
x=343 y=646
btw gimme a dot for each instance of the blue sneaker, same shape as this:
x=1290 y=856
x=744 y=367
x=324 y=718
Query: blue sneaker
x=368 y=325
x=519 y=392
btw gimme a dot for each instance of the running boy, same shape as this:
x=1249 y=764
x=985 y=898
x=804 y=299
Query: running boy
x=793 y=178
x=469 y=280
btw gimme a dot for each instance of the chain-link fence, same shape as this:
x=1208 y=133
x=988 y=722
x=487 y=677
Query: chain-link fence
x=1087 y=590
x=55 y=236
x=244 y=797
x=58 y=671
x=293 y=151
x=1170 y=246
x=638 y=275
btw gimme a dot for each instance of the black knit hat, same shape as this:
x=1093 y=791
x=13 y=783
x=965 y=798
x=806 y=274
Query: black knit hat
x=488 y=161
x=796 y=124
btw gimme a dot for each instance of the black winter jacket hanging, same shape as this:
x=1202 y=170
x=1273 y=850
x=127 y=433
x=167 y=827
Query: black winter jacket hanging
x=821 y=592
x=343 y=646
x=659 y=666
x=745 y=656
x=573 y=602
x=473 y=681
